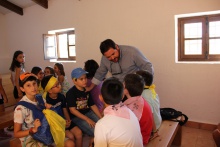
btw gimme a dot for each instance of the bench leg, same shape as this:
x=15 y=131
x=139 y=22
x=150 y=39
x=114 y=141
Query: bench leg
x=178 y=138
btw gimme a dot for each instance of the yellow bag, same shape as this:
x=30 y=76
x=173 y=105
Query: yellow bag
x=57 y=126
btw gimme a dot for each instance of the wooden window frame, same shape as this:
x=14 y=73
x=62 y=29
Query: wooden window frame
x=205 y=56
x=57 y=51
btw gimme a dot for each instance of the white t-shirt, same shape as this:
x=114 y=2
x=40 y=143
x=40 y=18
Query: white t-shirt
x=114 y=131
x=155 y=106
x=24 y=116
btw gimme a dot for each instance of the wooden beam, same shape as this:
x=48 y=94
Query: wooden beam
x=43 y=3
x=11 y=6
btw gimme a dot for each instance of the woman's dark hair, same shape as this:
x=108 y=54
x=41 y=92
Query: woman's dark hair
x=36 y=69
x=51 y=70
x=61 y=68
x=134 y=84
x=147 y=76
x=45 y=80
x=91 y=66
x=112 y=91
x=14 y=62
x=106 y=44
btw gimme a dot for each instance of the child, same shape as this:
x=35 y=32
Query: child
x=152 y=98
x=59 y=70
x=57 y=101
x=119 y=126
x=49 y=71
x=40 y=74
x=134 y=86
x=17 y=68
x=24 y=124
x=84 y=113
x=91 y=66
x=3 y=99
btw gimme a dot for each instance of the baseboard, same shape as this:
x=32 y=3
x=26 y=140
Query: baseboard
x=199 y=125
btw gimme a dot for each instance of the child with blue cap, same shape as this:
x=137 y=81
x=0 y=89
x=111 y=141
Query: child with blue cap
x=83 y=112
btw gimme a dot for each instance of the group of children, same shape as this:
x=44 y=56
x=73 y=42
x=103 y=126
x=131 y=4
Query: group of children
x=83 y=110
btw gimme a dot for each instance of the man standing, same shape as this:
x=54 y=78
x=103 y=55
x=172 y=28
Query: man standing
x=119 y=60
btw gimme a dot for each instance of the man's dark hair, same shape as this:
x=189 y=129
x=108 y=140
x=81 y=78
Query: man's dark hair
x=112 y=91
x=106 y=44
x=31 y=78
x=134 y=84
x=91 y=66
x=147 y=76
x=45 y=80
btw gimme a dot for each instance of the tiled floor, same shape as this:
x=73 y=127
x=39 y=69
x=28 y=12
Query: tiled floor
x=190 y=138
x=197 y=138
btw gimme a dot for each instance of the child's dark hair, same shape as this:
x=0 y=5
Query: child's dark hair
x=45 y=80
x=14 y=62
x=31 y=78
x=61 y=68
x=147 y=76
x=112 y=91
x=36 y=69
x=51 y=70
x=134 y=84
x=91 y=66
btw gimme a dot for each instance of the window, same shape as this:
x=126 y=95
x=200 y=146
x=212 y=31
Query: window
x=199 y=38
x=60 y=45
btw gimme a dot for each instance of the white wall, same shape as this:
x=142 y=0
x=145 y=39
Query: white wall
x=146 y=24
x=4 y=52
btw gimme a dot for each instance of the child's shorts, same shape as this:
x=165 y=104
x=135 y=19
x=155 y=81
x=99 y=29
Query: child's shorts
x=1 y=100
x=72 y=125
x=15 y=92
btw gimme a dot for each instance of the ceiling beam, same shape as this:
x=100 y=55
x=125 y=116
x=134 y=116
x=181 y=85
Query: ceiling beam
x=43 y=3
x=11 y=6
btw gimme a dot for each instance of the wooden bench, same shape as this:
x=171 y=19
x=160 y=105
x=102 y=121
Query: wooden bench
x=170 y=132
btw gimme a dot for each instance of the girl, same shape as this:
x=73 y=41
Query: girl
x=91 y=66
x=40 y=75
x=59 y=70
x=17 y=68
x=49 y=71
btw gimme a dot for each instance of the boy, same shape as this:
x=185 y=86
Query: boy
x=56 y=101
x=134 y=85
x=83 y=112
x=119 y=126
x=152 y=98
x=24 y=124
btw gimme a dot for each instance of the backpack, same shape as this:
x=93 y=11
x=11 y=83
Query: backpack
x=43 y=134
x=172 y=114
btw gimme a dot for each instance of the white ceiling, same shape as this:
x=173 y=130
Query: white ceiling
x=21 y=3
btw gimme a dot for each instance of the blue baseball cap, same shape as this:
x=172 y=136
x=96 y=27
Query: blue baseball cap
x=78 y=72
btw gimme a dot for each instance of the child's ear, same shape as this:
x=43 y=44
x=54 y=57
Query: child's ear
x=101 y=98
x=22 y=89
x=125 y=91
x=49 y=91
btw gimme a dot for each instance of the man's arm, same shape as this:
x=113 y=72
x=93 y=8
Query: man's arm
x=142 y=62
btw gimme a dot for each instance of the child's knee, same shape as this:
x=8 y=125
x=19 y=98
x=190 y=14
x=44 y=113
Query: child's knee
x=69 y=143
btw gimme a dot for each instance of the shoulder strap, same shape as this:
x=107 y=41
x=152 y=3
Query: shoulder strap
x=27 y=105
